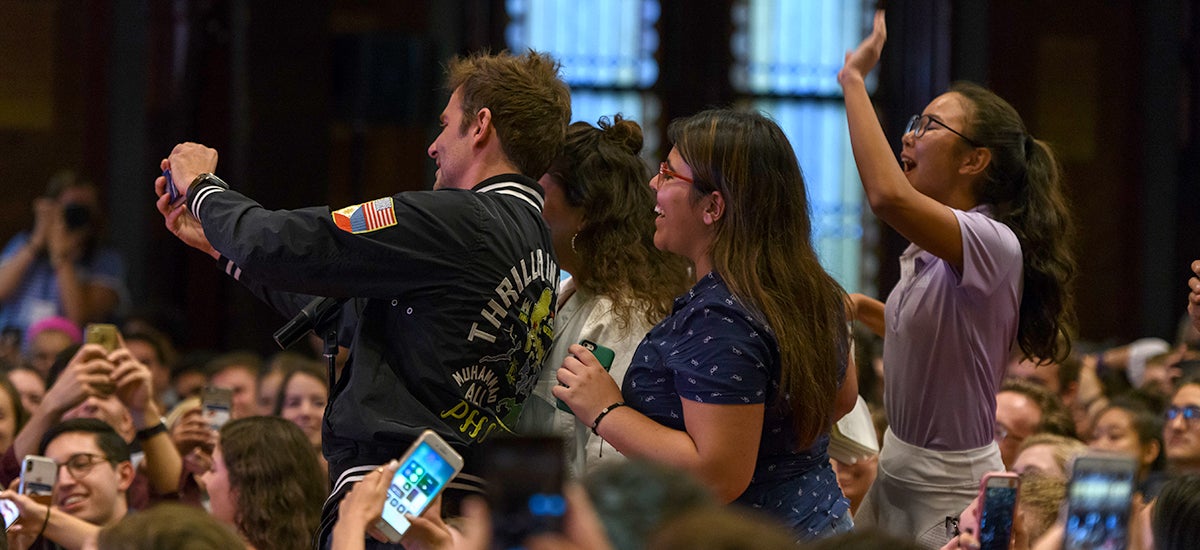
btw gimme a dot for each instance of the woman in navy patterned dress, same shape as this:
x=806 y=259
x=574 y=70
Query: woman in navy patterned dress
x=741 y=383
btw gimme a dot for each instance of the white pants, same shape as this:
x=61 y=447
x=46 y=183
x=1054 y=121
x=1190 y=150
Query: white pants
x=917 y=488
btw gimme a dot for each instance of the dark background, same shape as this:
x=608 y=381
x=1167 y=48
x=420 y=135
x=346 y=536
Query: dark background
x=335 y=102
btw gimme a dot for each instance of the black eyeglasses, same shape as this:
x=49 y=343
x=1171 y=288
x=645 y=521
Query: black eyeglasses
x=918 y=124
x=1189 y=413
x=80 y=464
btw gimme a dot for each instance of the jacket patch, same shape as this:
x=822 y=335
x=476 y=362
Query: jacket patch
x=366 y=217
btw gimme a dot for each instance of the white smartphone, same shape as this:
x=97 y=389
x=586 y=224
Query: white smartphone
x=217 y=406
x=38 y=475
x=424 y=471
x=10 y=512
x=1098 y=501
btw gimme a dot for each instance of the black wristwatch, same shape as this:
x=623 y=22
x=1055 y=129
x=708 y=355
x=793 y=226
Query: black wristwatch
x=146 y=433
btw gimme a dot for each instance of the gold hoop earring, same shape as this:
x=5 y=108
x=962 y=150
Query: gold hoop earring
x=573 y=237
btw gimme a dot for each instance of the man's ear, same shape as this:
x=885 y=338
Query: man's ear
x=125 y=475
x=715 y=208
x=976 y=162
x=481 y=126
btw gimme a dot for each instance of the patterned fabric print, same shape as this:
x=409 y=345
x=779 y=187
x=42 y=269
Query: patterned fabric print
x=712 y=349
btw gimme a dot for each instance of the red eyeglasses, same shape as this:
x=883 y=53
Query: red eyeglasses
x=667 y=172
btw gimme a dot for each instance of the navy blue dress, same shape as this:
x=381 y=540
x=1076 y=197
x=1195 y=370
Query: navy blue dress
x=711 y=349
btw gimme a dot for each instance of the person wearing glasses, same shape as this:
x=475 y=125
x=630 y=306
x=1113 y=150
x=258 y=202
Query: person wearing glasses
x=741 y=383
x=987 y=272
x=94 y=473
x=601 y=218
x=1181 y=432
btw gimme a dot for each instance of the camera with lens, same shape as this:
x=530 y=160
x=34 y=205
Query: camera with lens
x=76 y=215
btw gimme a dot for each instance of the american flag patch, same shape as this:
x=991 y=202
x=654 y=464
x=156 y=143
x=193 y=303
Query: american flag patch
x=366 y=217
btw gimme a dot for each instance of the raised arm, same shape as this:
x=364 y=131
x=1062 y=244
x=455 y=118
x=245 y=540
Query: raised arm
x=926 y=222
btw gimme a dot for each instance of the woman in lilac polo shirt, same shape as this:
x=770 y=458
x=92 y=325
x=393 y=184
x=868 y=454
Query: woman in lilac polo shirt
x=739 y=385
x=987 y=272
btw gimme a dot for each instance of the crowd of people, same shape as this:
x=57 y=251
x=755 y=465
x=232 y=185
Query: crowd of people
x=673 y=328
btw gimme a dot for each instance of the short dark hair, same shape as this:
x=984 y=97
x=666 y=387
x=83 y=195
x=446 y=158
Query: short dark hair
x=107 y=439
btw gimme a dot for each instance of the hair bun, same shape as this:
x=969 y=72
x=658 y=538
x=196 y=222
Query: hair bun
x=624 y=133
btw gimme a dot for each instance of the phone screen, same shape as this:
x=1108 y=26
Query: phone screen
x=525 y=477
x=418 y=481
x=996 y=521
x=9 y=510
x=1098 y=509
x=218 y=406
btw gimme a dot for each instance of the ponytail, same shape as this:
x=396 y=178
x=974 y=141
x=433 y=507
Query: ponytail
x=1023 y=183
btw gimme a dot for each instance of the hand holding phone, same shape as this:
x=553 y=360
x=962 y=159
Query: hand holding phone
x=38 y=476
x=217 y=404
x=997 y=509
x=424 y=471
x=604 y=355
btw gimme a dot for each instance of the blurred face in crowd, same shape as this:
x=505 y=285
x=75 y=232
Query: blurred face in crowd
x=89 y=487
x=189 y=384
x=220 y=495
x=304 y=404
x=1038 y=459
x=1115 y=432
x=8 y=420
x=245 y=390
x=107 y=409
x=30 y=387
x=855 y=479
x=1017 y=418
x=145 y=353
x=1044 y=375
x=268 y=392
x=44 y=349
x=1182 y=436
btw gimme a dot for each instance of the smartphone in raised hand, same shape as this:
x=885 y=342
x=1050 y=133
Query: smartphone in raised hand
x=425 y=469
x=38 y=476
x=217 y=406
x=1099 y=495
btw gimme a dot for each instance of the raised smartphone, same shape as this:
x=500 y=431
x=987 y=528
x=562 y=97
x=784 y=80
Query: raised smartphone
x=38 y=476
x=1098 y=499
x=604 y=355
x=525 y=477
x=102 y=333
x=217 y=406
x=998 y=503
x=424 y=471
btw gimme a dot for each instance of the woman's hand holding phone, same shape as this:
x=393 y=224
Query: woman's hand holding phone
x=584 y=384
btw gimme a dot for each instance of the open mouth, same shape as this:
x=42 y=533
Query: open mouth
x=907 y=164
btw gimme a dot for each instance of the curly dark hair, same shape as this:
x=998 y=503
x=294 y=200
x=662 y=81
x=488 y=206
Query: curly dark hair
x=600 y=171
x=1024 y=184
x=276 y=480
